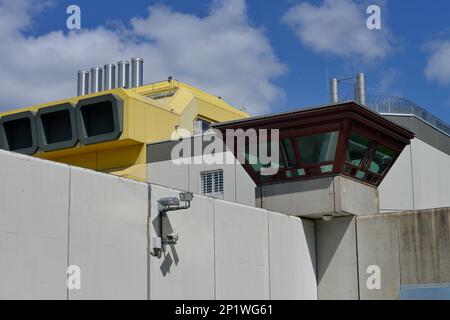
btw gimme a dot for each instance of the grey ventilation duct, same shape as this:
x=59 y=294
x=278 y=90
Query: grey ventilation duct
x=334 y=90
x=360 y=89
x=96 y=79
x=123 y=74
x=137 y=72
x=109 y=71
x=83 y=82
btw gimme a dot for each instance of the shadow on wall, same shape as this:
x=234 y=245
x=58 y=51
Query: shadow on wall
x=335 y=230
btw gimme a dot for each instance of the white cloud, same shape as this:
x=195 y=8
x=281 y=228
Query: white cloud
x=438 y=64
x=338 y=27
x=220 y=53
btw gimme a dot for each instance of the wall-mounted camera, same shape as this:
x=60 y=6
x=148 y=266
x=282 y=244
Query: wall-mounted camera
x=165 y=205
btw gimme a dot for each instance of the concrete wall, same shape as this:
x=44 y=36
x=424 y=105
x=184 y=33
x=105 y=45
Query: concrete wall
x=409 y=248
x=419 y=180
x=53 y=216
x=185 y=270
x=425 y=247
x=378 y=245
x=238 y=186
x=34 y=208
x=337 y=265
x=203 y=153
x=316 y=197
x=230 y=251
x=292 y=257
x=108 y=235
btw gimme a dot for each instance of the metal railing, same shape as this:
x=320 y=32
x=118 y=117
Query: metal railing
x=396 y=105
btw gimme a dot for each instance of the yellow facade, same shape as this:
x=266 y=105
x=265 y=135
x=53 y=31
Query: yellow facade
x=151 y=113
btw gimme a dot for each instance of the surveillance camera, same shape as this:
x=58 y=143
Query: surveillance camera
x=169 y=202
x=172 y=237
x=186 y=196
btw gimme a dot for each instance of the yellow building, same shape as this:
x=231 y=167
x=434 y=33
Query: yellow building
x=108 y=131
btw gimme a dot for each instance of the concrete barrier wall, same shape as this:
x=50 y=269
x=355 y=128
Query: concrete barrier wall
x=242 y=252
x=378 y=246
x=425 y=247
x=410 y=248
x=337 y=265
x=231 y=251
x=185 y=270
x=108 y=235
x=292 y=258
x=34 y=208
x=53 y=216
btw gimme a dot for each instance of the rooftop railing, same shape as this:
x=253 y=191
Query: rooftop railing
x=397 y=105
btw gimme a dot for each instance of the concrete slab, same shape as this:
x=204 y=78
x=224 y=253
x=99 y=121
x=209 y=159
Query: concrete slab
x=378 y=246
x=337 y=259
x=292 y=267
x=34 y=206
x=353 y=197
x=425 y=247
x=108 y=235
x=186 y=270
x=313 y=198
x=241 y=252
x=299 y=198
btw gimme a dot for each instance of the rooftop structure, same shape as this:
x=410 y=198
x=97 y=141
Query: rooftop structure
x=108 y=130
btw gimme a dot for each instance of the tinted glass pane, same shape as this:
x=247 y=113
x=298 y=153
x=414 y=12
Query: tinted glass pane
x=360 y=174
x=289 y=150
x=347 y=169
x=381 y=160
x=255 y=161
x=356 y=149
x=295 y=173
x=326 y=169
x=318 y=148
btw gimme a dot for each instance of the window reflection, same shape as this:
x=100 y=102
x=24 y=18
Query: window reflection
x=318 y=148
x=381 y=160
x=357 y=147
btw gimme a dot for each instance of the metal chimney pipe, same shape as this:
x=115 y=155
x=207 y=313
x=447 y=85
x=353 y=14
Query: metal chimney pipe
x=83 y=82
x=137 y=72
x=123 y=74
x=360 y=89
x=96 y=79
x=110 y=76
x=334 y=90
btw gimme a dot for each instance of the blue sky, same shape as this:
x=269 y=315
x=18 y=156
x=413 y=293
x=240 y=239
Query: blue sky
x=276 y=65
